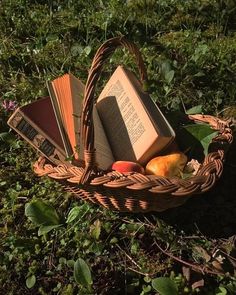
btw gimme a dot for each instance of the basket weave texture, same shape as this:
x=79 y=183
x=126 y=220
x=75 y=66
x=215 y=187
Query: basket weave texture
x=133 y=192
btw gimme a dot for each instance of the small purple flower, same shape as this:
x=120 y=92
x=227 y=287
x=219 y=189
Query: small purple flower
x=9 y=105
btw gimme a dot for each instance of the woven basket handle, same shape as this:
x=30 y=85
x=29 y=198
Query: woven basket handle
x=102 y=54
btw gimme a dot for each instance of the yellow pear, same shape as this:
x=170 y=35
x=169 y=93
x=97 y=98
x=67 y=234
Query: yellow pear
x=167 y=165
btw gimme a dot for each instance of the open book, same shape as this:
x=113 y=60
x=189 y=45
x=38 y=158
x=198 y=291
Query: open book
x=66 y=93
x=135 y=127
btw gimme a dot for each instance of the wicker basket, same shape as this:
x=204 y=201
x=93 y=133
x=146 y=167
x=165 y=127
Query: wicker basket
x=132 y=192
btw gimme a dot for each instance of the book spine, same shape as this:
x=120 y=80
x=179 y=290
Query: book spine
x=36 y=137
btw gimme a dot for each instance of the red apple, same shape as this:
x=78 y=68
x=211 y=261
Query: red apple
x=127 y=166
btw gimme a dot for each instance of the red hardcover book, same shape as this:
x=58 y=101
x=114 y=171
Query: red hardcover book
x=37 y=124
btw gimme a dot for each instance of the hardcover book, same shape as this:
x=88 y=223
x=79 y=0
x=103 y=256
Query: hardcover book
x=37 y=124
x=135 y=127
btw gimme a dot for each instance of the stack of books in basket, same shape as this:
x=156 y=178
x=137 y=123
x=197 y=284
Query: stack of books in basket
x=128 y=125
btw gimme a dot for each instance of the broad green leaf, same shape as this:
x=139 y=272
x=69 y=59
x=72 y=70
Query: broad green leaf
x=62 y=260
x=134 y=248
x=221 y=291
x=73 y=214
x=44 y=229
x=165 y=67
x=78 y=211
x=195 y=110
x=169 y=76
x=82 y=273
x=146 y=289
x=96 y=248
x=70 y=263
x=52 y=37
x=147 y=279
x=96 y=229
x=41 y=213
x=199 y=74
x=197 y=137
x=165 y=286
x=87 y=50
x=114 y=240
x=167 y=89
x=30 y=281
x=202 y=132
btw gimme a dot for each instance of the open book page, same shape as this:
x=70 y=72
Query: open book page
x=130 y=130
x=161 y=124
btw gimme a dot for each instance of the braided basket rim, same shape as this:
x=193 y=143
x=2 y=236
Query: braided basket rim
x=205 y=178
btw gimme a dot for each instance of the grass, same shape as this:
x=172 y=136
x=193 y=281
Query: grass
x=92 y=250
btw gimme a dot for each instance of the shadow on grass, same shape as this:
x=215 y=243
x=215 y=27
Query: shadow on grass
x=212 y=213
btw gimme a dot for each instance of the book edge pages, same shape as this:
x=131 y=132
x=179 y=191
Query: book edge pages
x=67 y=146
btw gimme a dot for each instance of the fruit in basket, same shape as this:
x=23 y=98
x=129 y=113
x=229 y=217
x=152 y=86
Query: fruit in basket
x=127 y=166
x=168 y=165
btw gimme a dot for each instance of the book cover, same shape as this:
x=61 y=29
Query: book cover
x=36 y=123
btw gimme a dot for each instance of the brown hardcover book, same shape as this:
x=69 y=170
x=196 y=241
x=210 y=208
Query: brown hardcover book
x=135 y=127
x=37 y=124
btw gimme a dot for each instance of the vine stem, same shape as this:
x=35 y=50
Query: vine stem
x=195 y=267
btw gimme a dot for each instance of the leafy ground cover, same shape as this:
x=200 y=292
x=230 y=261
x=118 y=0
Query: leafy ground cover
x=52 y=243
